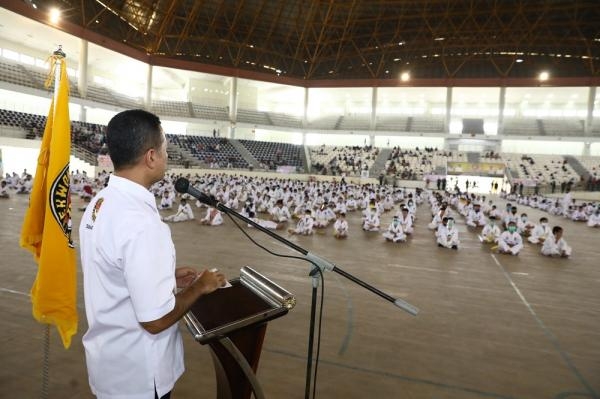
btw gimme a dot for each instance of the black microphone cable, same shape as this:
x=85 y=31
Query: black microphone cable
x=318 y=269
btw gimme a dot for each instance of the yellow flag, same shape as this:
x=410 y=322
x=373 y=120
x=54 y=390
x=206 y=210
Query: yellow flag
x=46 y=229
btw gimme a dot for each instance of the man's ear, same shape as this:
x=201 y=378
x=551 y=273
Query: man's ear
x=150 y=158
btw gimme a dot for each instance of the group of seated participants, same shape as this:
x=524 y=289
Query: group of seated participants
x=308 y=207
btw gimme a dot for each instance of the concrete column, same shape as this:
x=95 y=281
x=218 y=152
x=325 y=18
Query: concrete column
x=233 y=95
x=448 y=109
x=83 y=113
x=501 y=106
x=148 y=100
x=303 y=138
x=82 y=83
x=305 y=113
x=586 y=149
x=373 y=108
x=589 y=118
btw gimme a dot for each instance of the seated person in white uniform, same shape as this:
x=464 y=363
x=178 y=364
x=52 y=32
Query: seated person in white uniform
x=555 y=245
x=475 y=217
x=406 y=220
x=340 y=227
x=524 y=226
x=213 y=217
x=510 y=241
x=447 y=235
x=540 y=232
x=267 y=224
x=594 y=219
x=490 y=232
x=166 y=201
x=184 y=213
x=579 y=215
x=280 y=213
x=394 y=232
x=371 y=220
x=4 y=190
x=304 y=225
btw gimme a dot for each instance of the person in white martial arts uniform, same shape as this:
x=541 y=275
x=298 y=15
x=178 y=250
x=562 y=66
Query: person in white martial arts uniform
x=511 y=216
x=133 y=345
x=490 y=232
x=438 y=218
x=166 y=201
x=280 y=213
x=213 y=217
x=540 y=232
x=524 y=225
x=184 y=213
x=305 y=225
x=556 y=245
x=594 y=219
x=371 y=220
x=406 y=220
x=475 y=217
x=340 y=227
x=4 y=190
x=447 y=234
x=267 y=224
x=579 y=214
x=510 y=241
x=394 y=231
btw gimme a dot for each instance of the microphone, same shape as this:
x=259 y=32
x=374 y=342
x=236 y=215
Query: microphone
x=182 y=185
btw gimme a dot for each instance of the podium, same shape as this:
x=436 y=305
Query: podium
x=233 y=322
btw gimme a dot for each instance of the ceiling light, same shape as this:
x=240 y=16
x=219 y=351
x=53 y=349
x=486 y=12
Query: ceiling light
x=405 y=76
x=519 y=60
x=439 y=39
x=544 y=76
x=54 y=15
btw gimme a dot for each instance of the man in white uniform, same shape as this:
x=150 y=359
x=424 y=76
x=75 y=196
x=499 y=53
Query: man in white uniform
x=510 y=241
x=133 y=346
x=184 y=213
x=555 y=245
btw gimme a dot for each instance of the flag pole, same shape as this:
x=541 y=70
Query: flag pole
x=57 y=55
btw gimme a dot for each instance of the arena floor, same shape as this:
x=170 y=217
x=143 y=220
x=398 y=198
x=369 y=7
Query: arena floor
x=490 y=326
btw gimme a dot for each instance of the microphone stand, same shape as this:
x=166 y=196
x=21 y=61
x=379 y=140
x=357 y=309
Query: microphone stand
x=321 y=263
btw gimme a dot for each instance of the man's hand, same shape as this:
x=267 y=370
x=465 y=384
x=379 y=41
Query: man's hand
x=210 y=281
x=185 y=276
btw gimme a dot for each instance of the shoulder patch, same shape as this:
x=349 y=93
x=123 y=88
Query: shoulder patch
x=96 y=209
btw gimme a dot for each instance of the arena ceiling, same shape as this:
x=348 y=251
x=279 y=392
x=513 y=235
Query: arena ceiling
x=319 y=40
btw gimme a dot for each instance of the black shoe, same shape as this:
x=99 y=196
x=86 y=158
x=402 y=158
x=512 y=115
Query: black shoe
x=440 y=245
x=455 y=247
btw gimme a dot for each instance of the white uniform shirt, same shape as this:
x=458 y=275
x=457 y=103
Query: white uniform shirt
x=128 y=262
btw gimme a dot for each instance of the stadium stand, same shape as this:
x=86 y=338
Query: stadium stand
x=521 y=127
x=542 y=168
x=214 y=152
x=427 y=124
x=174 y=108
x=272 y=154
x=414 y=164
x=285 y=120
x=563 y=127
x=210 y=112
x=349 y=160
x=326 y=122
x=254 y=117
x=392 y=122
x=355 y=122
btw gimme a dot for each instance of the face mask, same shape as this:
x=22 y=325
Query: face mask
x=450 y=224
x=544 y=224
x=524 y=219
x=512 y=229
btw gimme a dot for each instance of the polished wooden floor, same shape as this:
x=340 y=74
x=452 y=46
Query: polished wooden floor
x=490 y=326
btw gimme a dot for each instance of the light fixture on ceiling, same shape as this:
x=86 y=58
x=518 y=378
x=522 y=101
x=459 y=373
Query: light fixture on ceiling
x=54 y=15
x=544 y=75
x=405 y=76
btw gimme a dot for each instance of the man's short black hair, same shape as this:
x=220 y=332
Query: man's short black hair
x=130 y=134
